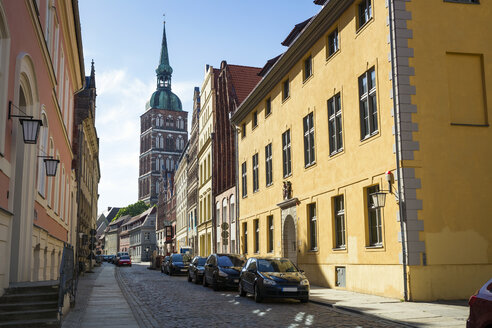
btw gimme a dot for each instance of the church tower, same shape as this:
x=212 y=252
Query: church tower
x=163 y=132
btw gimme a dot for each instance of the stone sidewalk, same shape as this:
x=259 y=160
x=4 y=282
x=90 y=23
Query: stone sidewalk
x=414 y=314
x=100 y=302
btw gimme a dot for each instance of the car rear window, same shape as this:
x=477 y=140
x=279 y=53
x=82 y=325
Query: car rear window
x=124 y=257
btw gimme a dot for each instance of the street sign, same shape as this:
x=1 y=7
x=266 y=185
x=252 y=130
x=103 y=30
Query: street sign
x=225 y=234
x=224 y=226
x=225 y=242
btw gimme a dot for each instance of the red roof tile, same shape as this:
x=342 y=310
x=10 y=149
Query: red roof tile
x=244 y=79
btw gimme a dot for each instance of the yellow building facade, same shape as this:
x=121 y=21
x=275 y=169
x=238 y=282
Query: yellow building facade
x=331 y=123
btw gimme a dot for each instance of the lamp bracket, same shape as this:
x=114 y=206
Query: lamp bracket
x=12 y=115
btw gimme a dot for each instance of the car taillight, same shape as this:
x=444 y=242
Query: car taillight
x=472 y=300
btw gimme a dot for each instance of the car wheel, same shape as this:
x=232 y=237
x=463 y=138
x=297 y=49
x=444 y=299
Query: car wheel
x=197 y=281
x=162 y=271
x=215 y=284
x=205 y=284
x=189 y=277
x=304 y=300
x=130 y=265
x=171 y=272
x=242 y=293
x=257 y=296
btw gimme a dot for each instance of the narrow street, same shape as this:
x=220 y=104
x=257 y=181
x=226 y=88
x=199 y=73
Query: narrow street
x=159 y=300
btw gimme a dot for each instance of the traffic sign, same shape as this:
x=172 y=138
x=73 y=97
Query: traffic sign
x=224 y=226
x=225 y=234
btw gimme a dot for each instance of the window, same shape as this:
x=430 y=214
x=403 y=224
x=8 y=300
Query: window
x=147 y=236
x=244 y=180
x=464 y=1
x=245 y=237
x=256 y=182
x=308 y=67
x=313 y=242
x=365 y=12
x=286 y=158
x=268 y=107
x=339 y=222
x=335 y=124
x=243 y=130
x=232 y=209
x=257 y=235
x=270 y=233
x=374 y=217
x=308 y=124
x=333 y=42
x=255 y=119
x=368 y=104
x=285 y=90
x=268 y=164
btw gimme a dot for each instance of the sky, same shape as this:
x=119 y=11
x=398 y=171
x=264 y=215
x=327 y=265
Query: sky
x=124 y=37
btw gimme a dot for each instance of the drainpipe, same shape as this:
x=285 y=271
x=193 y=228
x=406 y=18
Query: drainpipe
x=399 y=169
x=213 y=206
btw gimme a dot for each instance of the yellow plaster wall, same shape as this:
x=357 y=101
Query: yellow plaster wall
x=360 y=165
x=453 y=77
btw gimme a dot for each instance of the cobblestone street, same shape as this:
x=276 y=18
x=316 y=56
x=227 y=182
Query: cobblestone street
x=159 y=300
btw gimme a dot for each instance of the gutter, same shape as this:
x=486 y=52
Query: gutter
x=78 y=35
x=399 y=168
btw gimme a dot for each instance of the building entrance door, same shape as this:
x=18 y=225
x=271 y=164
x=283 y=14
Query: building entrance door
x=289 y=239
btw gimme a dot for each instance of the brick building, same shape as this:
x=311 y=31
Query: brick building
x=234 y=83
x=163 y=132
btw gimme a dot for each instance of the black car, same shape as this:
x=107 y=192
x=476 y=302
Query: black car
x=273 y=278
x=222 y=270
x=164 y=265
x=178 y=264
x=195 y=271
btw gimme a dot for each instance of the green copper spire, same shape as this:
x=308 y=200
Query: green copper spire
x=163 y=97
x=164 y=70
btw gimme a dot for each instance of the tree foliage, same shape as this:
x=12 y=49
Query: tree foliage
x=132 y=209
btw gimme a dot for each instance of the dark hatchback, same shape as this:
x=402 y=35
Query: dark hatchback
x=273 y=278
x=195 y=271
x=164 y=265
x=178 y=264
x=222 y=270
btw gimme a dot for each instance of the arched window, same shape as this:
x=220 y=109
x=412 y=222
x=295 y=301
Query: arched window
x=232 y=209
x=178 y=144
x=167 y=164
x=172 y=165
x=160 y=141
x=50 y=181
x=224 y=210
x=159 y=121
x=169 y=142
x=43 y=151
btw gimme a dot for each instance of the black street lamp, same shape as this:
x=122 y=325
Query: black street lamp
x=30 y=126
x=51 y=165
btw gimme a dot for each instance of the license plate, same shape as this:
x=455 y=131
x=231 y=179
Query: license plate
x=289 y=289
x=183 y=270
x=236 y=280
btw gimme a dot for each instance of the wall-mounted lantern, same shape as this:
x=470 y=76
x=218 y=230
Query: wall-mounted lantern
x=379 y=197
x=51 y=165
x=30 y=126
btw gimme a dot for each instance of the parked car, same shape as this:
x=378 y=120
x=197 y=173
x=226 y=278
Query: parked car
x=105 y=258
x=178 y=264
x=196 y=268
x=273 y=278
x=118 y=255
x=222 y=270
x=124 y=260
x=164 y=265
x=111 y=258
x=481 y=307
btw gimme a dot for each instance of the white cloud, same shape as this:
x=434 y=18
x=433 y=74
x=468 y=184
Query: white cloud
x=120 y=102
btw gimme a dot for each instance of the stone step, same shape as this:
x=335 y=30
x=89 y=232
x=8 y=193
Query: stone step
x=9 y=307
x=29 y=297
x=42 y=314
x=29 y=290
x=41 y=323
